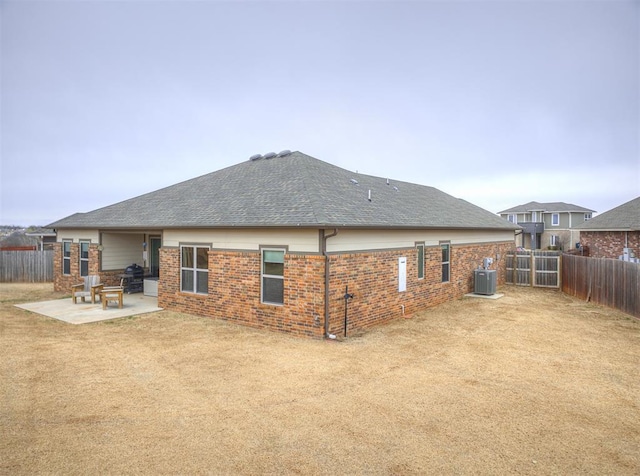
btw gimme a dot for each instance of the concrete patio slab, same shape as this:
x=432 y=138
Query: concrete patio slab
x=484 y=296
x=83 y=313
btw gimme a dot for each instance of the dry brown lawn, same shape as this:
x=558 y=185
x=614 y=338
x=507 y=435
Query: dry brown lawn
x=533 y=383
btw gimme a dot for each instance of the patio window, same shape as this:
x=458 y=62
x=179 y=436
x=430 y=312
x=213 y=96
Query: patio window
x=555 y=219
x=84 y=258
x=66 y=257
x=272 y=276
x=194 y=269
x=446 y=262
x=420 y=248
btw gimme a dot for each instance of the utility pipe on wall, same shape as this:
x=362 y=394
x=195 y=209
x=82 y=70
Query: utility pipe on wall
x=327 y=274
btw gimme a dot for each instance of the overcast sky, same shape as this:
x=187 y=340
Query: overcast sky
x=496 y=102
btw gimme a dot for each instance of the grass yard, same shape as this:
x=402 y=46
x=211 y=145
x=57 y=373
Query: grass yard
x=533 y=383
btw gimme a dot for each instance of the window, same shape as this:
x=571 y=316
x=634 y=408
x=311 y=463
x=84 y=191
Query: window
x=555 y=219
x=66 y=257
x=194 y=267
x=84 y=258
x=555 y=240
x=512 y=218
x=446 y=261
x=272 y=276
x=587 y=216
x=420 y=248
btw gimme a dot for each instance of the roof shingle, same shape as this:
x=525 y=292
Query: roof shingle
x=293 y=190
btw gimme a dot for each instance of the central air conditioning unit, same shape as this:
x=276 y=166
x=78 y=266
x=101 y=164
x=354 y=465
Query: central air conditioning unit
x=485 y=281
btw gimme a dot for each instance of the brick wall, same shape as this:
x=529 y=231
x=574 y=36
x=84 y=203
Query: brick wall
x=234 y=287
x=373 y=279
x=609 y=244
x=63 y=283
x=234 y=291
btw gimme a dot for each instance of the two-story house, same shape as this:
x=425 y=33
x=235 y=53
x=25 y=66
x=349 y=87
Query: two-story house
x=548 y=224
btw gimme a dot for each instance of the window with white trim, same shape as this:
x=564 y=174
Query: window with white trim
x=555 y=240
x=66 y=257
x=512 y=218
x=587 y=216
x=555 y=219
x=194 y=269
x=272 y=276
x=446 y=262
x=84 y=258
x=420 y=248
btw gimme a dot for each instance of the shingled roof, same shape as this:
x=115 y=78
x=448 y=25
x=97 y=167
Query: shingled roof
x=289 y=190
x=550 y=207
x=625 y=217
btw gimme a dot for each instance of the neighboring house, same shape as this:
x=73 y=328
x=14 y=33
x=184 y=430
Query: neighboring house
x=548 y=225
x=608 y=234
x=274 y=242
x=46 y=238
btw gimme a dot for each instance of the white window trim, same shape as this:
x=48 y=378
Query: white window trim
x=66 y=258
x=195 y=269
x=81 y=259
x=448 y=263
x=420 y=246
x=587 y=216
x=555 y=217
x=270 y=276
x=513 y=218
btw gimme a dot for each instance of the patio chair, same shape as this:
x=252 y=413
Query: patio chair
x=90 y=288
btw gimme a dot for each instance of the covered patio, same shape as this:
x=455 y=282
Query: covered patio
x=83 y=313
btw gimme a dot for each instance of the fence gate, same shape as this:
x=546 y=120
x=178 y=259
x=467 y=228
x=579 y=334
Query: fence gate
x=534 y=268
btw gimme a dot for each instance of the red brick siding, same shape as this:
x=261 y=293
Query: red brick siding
x=63 y=283
x=234 y=291
x=234 y=287
x=373 y=279
x=609 y=244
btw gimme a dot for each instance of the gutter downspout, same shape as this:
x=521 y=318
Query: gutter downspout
x=326 y=281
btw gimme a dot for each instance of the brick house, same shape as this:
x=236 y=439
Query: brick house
x=553 y=225
x=609 y=233
x=274 y=242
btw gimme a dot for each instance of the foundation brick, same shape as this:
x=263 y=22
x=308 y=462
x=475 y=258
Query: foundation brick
x=234 y=287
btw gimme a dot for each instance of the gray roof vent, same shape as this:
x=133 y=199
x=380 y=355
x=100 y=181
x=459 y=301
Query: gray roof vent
x=284 y=153
x=353 y=181
x=270 y=155
x=255 y=157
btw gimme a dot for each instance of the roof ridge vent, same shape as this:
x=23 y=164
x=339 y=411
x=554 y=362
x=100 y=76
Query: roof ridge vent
x=284 y=153
x=270 y=155
x=255 y=157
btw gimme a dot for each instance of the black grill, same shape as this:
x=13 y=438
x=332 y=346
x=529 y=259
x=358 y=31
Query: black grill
x=133 y=279
x=134 y=271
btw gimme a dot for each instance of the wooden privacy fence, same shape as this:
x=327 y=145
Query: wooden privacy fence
x=610 y=282
x=534 y=268
x=26 y=266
